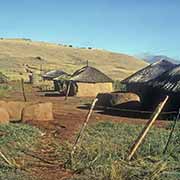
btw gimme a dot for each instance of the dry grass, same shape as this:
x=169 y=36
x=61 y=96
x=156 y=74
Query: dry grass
x=14 y=53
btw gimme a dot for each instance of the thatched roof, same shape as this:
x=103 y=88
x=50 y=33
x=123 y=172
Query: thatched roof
x=90 y=74
x=3 y=78
x=150 y=72
x=53 y=74
x=63 y=77
x=168 y=81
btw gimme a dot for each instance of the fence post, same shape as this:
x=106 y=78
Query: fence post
x=147 y=127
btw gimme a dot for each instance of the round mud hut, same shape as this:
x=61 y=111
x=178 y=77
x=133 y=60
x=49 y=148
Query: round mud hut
x=90 y=81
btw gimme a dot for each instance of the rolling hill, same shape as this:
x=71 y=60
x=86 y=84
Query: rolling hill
x=16 y=52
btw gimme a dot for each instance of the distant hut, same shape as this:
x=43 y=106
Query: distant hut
x=35 y=79
x=61 y=84
x=48 y=78
x=139 y=82
x=87 y=81
x=169 y=84
x=52 y=74
x=3 y=78
x=90 y=81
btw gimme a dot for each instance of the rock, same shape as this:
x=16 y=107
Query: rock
x=14 y=109
x=4 y=116
x=3 y=104
x=38 y=112
x=116 y=98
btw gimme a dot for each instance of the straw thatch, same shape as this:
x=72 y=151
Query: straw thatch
x=139 y=83
x=168 y=81
x=149 y=73
x=53 y=74
x=89 y=74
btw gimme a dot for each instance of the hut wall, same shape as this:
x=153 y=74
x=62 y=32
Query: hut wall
x=149 y=96
x=173 y=103
x=92 y=89
x=47 y=85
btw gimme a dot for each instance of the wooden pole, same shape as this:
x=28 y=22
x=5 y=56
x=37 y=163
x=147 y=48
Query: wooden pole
x=83 y=128
x=68 y=90
x=147 y=128
x=23 y=90
x=171 y=133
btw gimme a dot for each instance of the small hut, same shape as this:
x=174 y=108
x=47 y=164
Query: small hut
x=61 y=84
x=3 y=78
x=52 y=74
x=90 y=81
x=139 y=82
x=48 y=78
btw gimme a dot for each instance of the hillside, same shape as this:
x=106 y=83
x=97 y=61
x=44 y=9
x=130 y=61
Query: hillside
x=155 y=58
x=16 y=52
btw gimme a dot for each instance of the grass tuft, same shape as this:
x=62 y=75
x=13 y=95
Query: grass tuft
x=14 y=139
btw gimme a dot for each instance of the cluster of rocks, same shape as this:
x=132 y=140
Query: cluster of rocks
x=14 y=111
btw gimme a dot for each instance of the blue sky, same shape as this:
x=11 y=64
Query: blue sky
x=127 y=26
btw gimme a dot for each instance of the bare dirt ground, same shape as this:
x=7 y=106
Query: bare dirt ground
x=68 y=119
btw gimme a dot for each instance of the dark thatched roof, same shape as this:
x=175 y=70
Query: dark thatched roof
x=89 y=74
x=63 y=77
x=150 y=72
x=3 y=78
x=168 y=81
x=53 y=74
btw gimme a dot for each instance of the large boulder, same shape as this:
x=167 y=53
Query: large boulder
x=4 y=116
x=3 y=104
x=14 y=108
x=38 y=112
x=116 y=98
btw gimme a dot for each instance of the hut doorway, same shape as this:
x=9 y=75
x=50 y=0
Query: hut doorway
x=63 y=86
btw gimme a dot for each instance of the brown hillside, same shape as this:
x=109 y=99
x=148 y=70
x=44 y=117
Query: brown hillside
x=16 y=52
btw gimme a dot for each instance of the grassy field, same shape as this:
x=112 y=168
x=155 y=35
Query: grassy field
x=16 y=52
x=101 y=155
x=14 y=140
x=105 y=146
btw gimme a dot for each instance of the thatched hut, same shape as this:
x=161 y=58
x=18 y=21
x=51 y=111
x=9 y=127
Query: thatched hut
x=61 y=84
x=50 y=75
x=169 y=84
x=48 y=78
x=90 y=81
x=3 y=78
x=139 y=82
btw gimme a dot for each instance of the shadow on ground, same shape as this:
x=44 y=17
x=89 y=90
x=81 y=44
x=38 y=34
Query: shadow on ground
x=129 y=109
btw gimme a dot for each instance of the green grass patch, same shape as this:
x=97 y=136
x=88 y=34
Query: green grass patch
x=104 y=148
x=14 y=140
x=4 y=90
